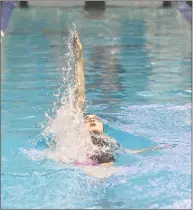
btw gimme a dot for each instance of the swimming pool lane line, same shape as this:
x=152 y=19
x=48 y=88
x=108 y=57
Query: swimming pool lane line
x=186 y=11
x=6 y=10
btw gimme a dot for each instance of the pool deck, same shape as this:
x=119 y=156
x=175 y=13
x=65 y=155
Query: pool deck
x=70 y=3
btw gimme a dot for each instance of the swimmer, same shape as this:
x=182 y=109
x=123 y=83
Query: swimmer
x=106 y=147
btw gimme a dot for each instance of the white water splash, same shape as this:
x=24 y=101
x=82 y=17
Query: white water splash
x=66 y=125
x=183 y=204
x=34 y=154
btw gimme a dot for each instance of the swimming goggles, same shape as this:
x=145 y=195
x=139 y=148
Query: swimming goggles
x=88 y=118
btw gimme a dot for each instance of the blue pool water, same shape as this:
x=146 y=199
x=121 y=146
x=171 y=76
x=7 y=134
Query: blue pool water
x=138 y=79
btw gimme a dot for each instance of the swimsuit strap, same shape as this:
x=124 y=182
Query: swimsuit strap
x=89 y=162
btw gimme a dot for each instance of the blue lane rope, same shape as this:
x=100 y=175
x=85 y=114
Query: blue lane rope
x=186 y=11
x=6 y=10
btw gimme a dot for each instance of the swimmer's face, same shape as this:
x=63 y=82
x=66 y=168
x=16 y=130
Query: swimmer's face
x=93 y=124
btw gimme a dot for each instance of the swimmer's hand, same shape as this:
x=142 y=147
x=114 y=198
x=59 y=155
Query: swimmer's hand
x=77 y=47
x=162 y=146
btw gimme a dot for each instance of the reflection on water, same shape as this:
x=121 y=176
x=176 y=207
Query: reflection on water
x=169 y=48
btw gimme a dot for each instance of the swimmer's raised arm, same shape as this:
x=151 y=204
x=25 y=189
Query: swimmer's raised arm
x=79 y=73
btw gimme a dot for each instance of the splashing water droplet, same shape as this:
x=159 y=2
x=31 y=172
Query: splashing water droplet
x=63 y=124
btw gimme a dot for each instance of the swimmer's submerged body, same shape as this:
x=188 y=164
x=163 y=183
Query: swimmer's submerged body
x=106 y=147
